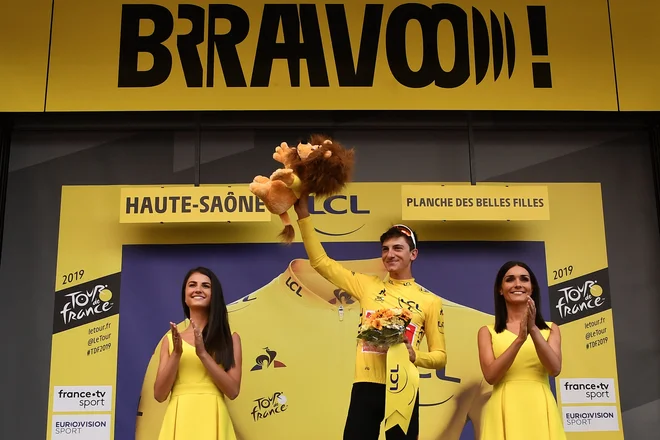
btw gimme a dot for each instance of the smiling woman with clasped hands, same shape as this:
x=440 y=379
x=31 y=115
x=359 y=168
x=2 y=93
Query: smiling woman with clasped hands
x=200 y=366
x=517 y=355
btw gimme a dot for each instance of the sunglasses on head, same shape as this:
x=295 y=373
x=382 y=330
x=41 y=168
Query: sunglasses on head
x=407 y=231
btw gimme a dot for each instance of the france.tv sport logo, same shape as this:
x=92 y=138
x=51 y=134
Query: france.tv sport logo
x=82 y=398
x=588 y=390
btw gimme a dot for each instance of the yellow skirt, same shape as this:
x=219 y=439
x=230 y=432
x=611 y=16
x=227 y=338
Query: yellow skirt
x=196 y=413
x=522 y=410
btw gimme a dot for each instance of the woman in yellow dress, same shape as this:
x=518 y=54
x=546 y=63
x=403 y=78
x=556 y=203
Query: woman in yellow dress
x=199 y=366
x=517 y=356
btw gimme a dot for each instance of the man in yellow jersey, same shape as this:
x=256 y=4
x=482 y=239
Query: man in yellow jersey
x=398 y=250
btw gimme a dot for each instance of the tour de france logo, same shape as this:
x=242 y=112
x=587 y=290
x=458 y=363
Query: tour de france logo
x=580 y=297
x=85 y=303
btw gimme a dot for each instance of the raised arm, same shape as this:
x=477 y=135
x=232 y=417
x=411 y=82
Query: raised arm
x=494 y=369
x=331 y=270
x=436 y=358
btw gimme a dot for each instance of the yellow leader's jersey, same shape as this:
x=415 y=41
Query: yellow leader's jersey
x=374 y=293
x=299 y=363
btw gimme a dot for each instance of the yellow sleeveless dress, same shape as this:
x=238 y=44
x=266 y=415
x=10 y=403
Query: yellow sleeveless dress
x=196 y=409
x=521 y=406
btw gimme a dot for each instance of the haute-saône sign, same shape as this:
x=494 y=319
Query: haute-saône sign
x=474 y=202
x=252 y=55
x=190 y=204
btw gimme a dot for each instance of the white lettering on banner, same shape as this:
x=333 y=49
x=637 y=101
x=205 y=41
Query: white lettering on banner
x=82 y=398
x=590 y=418
x=591 y=390
x=81 y=427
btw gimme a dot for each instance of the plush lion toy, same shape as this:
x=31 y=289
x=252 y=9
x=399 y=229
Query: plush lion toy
x=321 y=167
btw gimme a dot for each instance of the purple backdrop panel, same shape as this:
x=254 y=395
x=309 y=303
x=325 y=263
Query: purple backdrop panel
x=152 y=276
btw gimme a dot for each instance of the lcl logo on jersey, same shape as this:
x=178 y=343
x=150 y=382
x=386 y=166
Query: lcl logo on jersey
x=410 y=305
x=294 y=286
x=339 y=204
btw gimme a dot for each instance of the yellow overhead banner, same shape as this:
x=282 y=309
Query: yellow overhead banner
x=76 y=55
x=190 y=204
x=474 y=202
x=201 y=55
x=24 y=40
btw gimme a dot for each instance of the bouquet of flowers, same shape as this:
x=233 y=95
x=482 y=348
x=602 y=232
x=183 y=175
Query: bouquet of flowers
x=385 y=327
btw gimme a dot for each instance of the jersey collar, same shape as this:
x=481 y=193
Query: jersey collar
x=395 y=282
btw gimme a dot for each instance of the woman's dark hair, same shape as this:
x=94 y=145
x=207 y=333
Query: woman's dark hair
x=216 y=334
x=500 y=304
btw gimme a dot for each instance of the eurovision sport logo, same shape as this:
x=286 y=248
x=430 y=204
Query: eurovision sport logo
x=580 y=297
x=85 y=303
